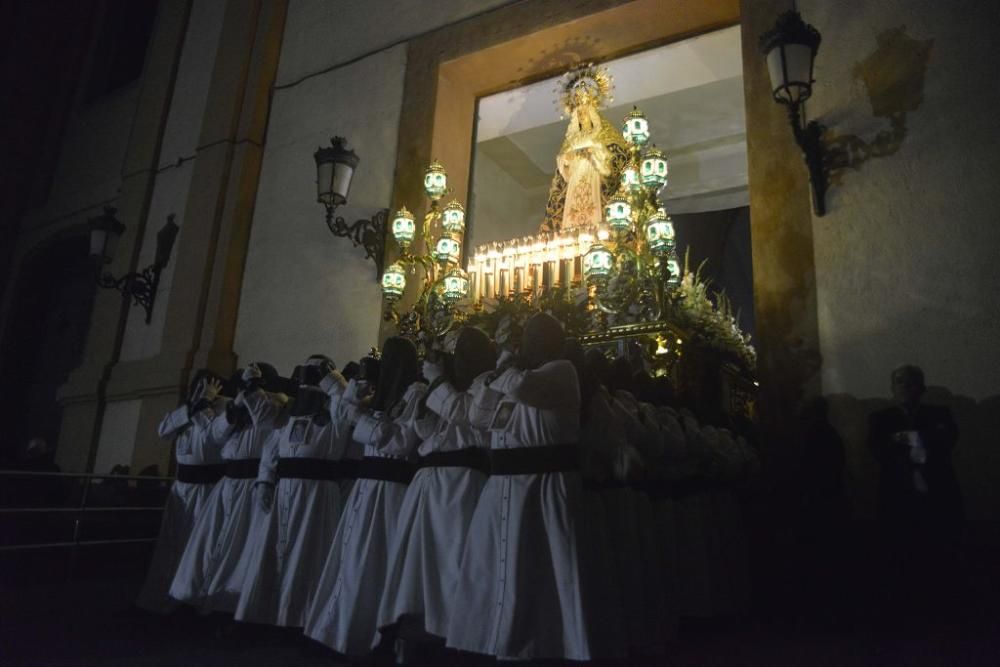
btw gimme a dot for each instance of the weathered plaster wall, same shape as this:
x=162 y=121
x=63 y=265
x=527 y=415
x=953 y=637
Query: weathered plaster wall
x=906 y=268
x=305 y=291
x=175 y=167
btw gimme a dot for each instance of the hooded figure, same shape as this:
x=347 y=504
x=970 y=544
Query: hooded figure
x=344 y=612
x=199 y=466
x=434 y=520
x=520 y=592
x=300 y=498
x=209 y=573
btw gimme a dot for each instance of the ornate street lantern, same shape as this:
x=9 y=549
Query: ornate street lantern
x=105 y=230
x=598 y=264
x=456 y=285
x=435 y=181
x=453 y=218
x=403 y=228
x=635 y=128
x=618 y=212
x=448 y=250
x=335 y=166
x=654 y=168
x=790 y=50
x=393 y=282
x=660 y=233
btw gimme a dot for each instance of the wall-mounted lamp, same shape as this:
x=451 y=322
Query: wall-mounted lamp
x=335 y=165
x=141 y=287
x=789 y=50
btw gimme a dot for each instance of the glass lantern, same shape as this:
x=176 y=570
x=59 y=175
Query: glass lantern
x=453 y=218
x=660 y=233
x=335 y=165
x=675 y=269
x=598 y=263
x=403 y=228
x=630 y=177
x=654 y=168
x=435 y=181
x=448 y=250
x=618 y=212
x=456 y=285
x=789 y=50
x=105 y=231
x=394 y=282
x=635 y=128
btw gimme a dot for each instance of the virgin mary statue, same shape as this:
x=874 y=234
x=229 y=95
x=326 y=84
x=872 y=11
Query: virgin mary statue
x=591 y=158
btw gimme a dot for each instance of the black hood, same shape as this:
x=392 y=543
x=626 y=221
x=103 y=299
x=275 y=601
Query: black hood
x=542 y=341
x=398 y=370
x=474 y=355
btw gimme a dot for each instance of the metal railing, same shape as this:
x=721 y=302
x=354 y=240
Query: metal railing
x=51 y=510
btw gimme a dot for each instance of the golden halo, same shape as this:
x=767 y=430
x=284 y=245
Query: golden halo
x=586 y=81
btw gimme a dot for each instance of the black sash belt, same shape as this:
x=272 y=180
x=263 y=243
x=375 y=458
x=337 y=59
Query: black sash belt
x=387 y=470
x=305 y=468
x=470 y=457
x=534 y=460
x=242 y=468
x=200 y=474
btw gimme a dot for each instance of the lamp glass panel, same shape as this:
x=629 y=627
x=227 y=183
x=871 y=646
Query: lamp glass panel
x=97 y=240
x=324 y=177
x=798 y=64
x=342 y=174
x=110 y=244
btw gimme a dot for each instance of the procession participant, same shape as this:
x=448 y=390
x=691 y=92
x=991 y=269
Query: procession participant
x=344 y=611
x=521 y=590
x=208 y=574
x=300 y=497
x=434 y=519
x=625 y=464
x=199 y=467
x=348 y=400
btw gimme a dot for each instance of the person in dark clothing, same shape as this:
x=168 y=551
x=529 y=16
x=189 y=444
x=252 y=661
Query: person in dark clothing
x=919 y=500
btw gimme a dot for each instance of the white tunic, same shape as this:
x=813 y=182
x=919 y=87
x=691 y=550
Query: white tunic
x=434 y=519
x=288 y=545
x=521 y=589
x=344 y=612
x=195 y=445
x=208 y=574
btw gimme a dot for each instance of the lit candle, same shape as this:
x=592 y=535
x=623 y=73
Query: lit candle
x=488 y=284
x=504 y=282
x=547 y=269
x=566 y=272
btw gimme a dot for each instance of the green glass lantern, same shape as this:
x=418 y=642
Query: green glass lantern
x=453 y=218
x=630 y=177
x=403 y=228
x=394 y=282
x=456 y=285
x=598 y=264
x=660 y=233
x=675 y=270
x=654 y=168
x=635 y=128
x=618 y=212
x=448 y=250
x=435 y=181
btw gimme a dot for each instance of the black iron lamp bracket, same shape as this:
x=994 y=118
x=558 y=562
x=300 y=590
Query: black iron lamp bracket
x=141 y=286
x=367 y=233
x=809 y=137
